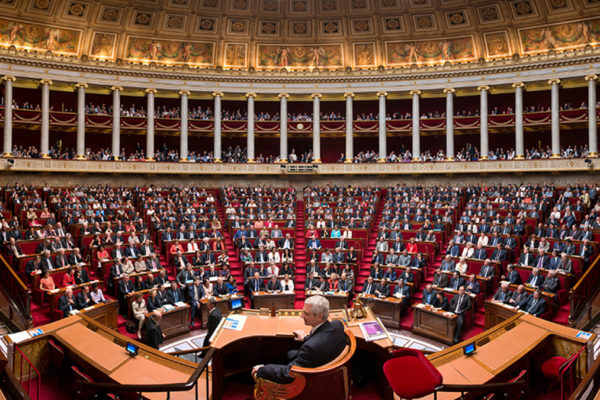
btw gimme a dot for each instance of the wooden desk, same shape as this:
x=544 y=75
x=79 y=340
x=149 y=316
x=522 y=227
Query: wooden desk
x=520 y=342
x=496 y=313
x=223 y=304
x=175 y=322
x=435 y=324
x=100 y=352
x=388 y=309
x=270 y=300
x=104 y=313
x=337 y=301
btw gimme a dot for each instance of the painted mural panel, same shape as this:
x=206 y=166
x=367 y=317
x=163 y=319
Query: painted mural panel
x=570 y=35
x=434 y=51
x=24 y=35
x=169 y=51
x=299 y=57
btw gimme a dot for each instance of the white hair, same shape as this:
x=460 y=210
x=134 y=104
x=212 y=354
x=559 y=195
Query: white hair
x=320 y=305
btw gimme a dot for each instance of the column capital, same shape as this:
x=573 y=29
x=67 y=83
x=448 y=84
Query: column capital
x=219 y=94
x=449 y=90
x=554 y=81
x=116 y=88
x=518 y=84
x=384 y=94
x=591 y=77
x=415 y=92
x=282 y=95
x=483 y=87
x=348 y=94
x=317 y=95
x=150 y=90
x=81 y=85
x=45 y=82
x=251 y=94
x=9 y=78
x=184 y=93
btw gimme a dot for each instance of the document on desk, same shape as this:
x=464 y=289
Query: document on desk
x=235 y=322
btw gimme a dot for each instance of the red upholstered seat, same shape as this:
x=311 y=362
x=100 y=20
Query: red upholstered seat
x=551 y=367
x=410 y=374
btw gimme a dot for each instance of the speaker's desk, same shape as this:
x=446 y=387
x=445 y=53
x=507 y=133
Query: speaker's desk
x=267 y=339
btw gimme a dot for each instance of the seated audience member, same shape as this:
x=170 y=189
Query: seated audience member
x=66 y=302
x=220 y=288
x=84 y=298
x=551 y=283
x=47 y=283
x=139 y=311
x=274 y=285
x=68 y=278
x=536 y=305
x=382 y=289
x=535 y=280
x=174 y=294
x=369 y=286
x=519 y=297
x=287 y=285
x=96 y=294
x=153 y=301
x=503 y=295
x=429 y=294
x=440 y=300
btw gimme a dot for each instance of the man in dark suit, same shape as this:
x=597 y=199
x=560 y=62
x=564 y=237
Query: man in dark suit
x=383 y=289
x=428 y=294
x=61 y=260
x=541 y=260
x=195 y=293
x=519 y=297
x=325 y=342
x=154 y=335
x=499 y=254
x=526 y=258
x=439 y=279
x=75 y=257
x=256 y=284
x=66 y=302
x=472 y=286
x=503 y=294
x=125 y=287
x=513 y=276
x=460 y=304
x=174 y=293
x=456 y=281
x=274 y=285
x=220 y=288
x=83 y=298
x=535 y=279
x=369 y=286
x=214 y=317
x=551 y=283
x=536 y=305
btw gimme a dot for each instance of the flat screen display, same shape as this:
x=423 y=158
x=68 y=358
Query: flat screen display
x=236 y=304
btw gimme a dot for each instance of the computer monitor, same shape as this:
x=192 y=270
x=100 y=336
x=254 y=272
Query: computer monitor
x=132 y=349
x=236 y=304
x=469 y=349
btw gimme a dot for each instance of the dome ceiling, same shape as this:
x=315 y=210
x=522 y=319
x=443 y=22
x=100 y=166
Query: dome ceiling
x=299 y=34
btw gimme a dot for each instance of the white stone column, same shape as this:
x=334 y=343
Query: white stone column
x=449 y=123
x=592 y=126
x=8 y=120
x=349 y=126
x=45 y=128
x=218 y=116
x=116 y=124
x=416 y=119
x=183 y=131
x=555 y=117
x=81 y=120
x=316 y=127
x=251 y=97
x=382 y=127
x=484 y=147
x=519 y=135
x=283 y=127
x=150 y=123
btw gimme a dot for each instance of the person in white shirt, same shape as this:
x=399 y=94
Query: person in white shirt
x=287 y=284
x=273 y=270
x=468 y=251
x=274 y=256
x=192 y=246
x=461 y=266
x=347 y=233
x=483 y=239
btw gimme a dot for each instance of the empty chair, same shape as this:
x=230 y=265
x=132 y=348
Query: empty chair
x=410 y=374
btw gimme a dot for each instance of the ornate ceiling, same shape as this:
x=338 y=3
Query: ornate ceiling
x=299 y=34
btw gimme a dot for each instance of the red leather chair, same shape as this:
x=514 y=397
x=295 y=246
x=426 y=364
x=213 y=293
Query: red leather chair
x=410 y=374
x=557 y=368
